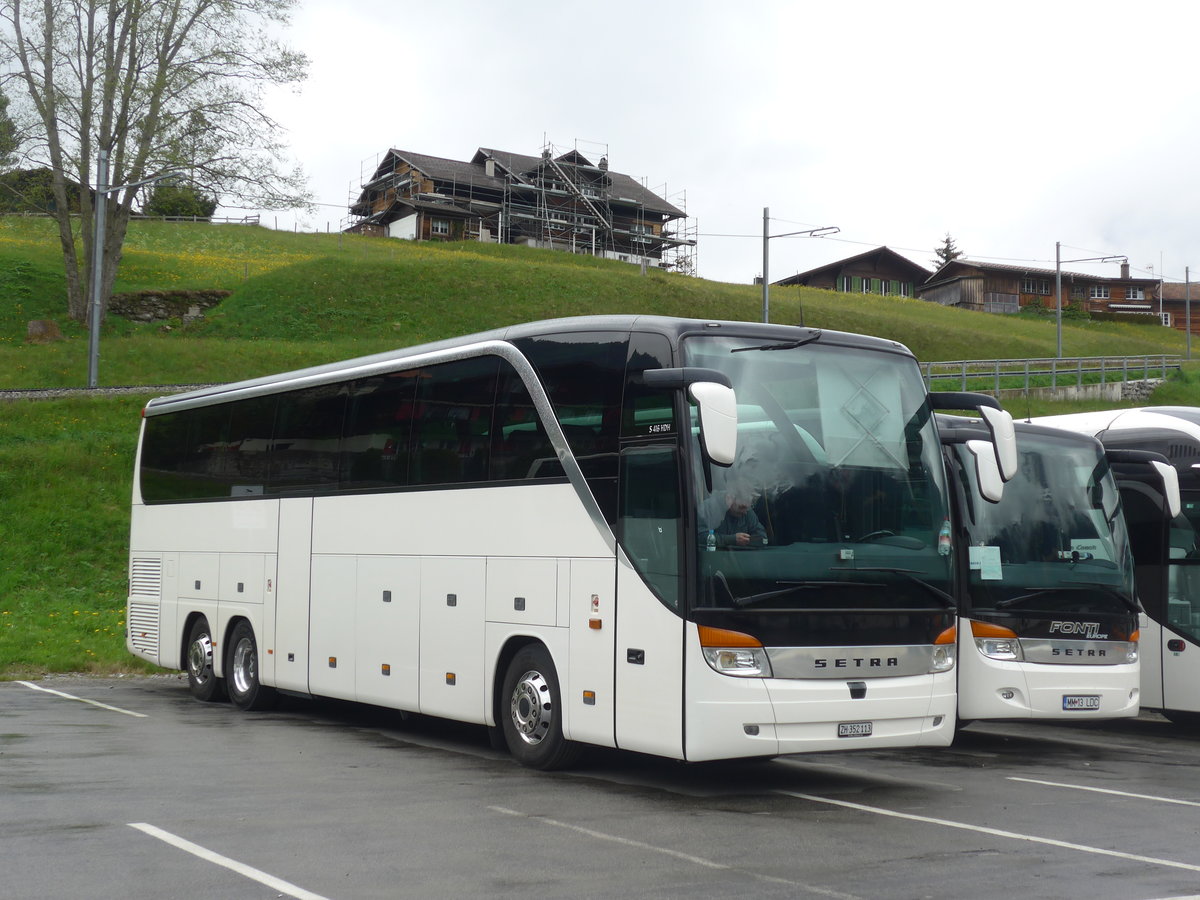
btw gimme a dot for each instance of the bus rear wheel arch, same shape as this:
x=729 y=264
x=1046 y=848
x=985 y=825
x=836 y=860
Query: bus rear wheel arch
x=530 y=711
x=203 y=682
x=242 y=670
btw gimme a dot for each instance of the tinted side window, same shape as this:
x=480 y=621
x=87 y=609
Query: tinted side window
x=521 y=449
x=452 y=430
x=207 y=453
x=305 y=445
x=584 y=375
x=375 y=443
x=648 y=412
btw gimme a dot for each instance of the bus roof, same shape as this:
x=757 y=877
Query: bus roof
x=673 y=328
x=1182 y=419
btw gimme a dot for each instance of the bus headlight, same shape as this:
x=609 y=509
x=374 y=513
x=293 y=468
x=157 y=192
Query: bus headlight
x=734 y=653
x=997 y=642
x=944 y=648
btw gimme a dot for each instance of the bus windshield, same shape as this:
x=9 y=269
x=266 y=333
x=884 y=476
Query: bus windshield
x=1056 y=542
x=836 y=499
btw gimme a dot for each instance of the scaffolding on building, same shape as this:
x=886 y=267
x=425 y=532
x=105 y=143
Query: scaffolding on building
x=565 y=199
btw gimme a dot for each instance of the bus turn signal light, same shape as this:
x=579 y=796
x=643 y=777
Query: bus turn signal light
x=987 y=629
x=734 y=653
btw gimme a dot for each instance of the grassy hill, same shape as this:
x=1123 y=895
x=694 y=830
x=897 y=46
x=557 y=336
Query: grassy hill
x=303 y=299
x=300 y=299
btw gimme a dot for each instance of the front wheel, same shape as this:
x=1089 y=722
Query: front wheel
x=202 y=682
x=245 y=690
x=531 y=712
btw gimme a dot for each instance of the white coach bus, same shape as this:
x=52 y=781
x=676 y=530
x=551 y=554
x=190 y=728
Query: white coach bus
x=1048 y=615
x=546 y=529
x=1164 y=519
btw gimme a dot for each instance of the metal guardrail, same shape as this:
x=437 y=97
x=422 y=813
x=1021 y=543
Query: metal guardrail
x=1018 y=373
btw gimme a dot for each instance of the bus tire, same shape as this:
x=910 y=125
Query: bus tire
x=241 y=668
x=202 y=681
x=531 y=712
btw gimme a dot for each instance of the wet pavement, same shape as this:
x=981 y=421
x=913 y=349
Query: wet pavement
x=127 y=787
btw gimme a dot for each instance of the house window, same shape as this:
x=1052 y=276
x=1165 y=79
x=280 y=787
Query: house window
x=1166 y=319
x=866 y=285
x=1099 y=292
x=1078 y=292
x=1135 y=293
x=905 y=289
x=440 y=226
x=1036 y=286
x=884 y=287
x=847 y=283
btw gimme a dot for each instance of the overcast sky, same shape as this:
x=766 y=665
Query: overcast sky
x=1009 y=126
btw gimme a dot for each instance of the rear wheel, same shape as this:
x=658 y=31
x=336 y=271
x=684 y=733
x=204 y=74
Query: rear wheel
x=202 y=682
x=245 y=690
x=531 y=712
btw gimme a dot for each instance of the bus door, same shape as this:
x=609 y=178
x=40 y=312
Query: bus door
x=1181 y=627
x=650 y=624
x=286 y=625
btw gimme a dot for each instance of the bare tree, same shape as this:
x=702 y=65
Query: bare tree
x=163 y=86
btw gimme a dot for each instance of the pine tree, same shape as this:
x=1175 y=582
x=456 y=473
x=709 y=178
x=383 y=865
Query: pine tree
x=948 y=252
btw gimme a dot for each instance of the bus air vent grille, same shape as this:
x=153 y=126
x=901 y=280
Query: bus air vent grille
x=143 y=626
x=145 y=578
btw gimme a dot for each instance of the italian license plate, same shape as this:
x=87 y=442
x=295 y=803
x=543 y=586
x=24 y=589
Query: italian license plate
x=854 y=729
x=1081 y=701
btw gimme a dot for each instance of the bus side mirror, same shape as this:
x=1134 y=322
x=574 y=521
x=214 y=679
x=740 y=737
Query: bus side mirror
x=1004 y=439
x=987 y=470
x=1170 y=479
x=717 y=406
x=998 y=421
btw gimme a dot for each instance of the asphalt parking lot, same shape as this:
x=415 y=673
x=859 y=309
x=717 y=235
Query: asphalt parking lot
x=127 y=787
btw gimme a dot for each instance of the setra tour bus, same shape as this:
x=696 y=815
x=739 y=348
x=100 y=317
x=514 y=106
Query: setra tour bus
x=700 y=540
x=1162 y=506
x=1048 y=615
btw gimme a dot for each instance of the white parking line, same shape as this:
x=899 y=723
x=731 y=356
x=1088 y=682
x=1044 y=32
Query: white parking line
x=995 y=832
x=686 y=857
x=127 y=712
x=276 y=884
x=1098 y=790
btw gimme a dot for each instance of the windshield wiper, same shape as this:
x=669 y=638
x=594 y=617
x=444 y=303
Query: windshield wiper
x=1126 y=601
x=797 y=586
x=911 y=575
x=786 y=345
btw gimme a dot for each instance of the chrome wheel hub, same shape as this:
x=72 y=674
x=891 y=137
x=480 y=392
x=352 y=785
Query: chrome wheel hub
x=530 y=707
x=245 y=666
x=200 y=659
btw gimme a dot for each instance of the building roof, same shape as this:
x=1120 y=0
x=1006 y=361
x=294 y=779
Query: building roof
x=957 y=268
x=621 y=189
x=1178 y=290
x=880 y=254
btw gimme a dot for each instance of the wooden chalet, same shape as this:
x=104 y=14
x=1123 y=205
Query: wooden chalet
x=1000 y=288
x=878 y=271
x=563 y=202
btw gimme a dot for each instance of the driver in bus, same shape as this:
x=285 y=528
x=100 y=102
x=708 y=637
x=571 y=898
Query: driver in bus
x=740 y=526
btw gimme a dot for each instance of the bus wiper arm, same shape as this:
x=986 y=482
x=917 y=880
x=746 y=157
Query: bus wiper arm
x=797 y=586
x=911 y=575
x=786 y=345
x=1070 y=588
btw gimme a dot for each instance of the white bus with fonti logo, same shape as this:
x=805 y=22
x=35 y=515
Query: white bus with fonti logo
x=700 y=540
x=1048 y=614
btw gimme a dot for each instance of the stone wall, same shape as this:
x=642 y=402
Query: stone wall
x=159 y=306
